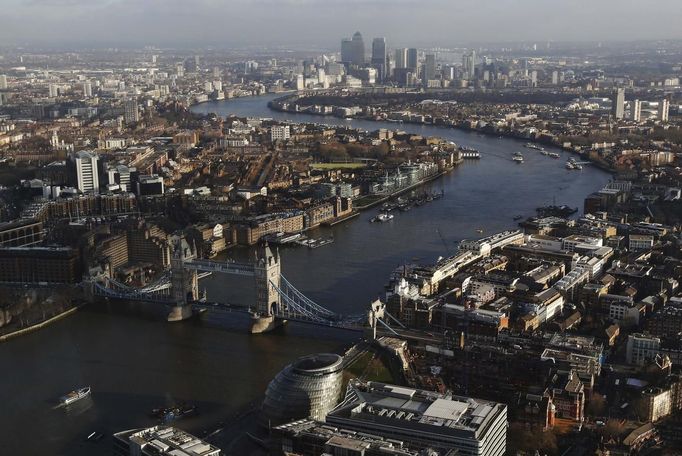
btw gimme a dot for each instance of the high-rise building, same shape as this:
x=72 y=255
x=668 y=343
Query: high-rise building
x=300 y=82
x=618 y=103
x=358 y=49
x=87 y=175
x=429 y=69
x=87 y=89
x=346 y=51
x=353 y=50
x=131 y=111
x=379 y=56
x=555 y=77
x=635 y=110
x=53 y=90
x=412 y=58
x=663 y=110
x=180 y=69
x=3 y=82
x=469 y=65
x=401 y=58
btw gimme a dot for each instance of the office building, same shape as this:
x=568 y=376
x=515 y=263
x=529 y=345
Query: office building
x=424 y=419
x=313 y=438
x=469 y=65
x=310 y=387
x=131 y=111
x=87 y=89
x=346 y=50
x=53 y=90
x=401 y=58
x=40 y=264
x=379 y=56
x=87 y=174
x=635 y=110
x=642 y=348
x=618 y=103
x=120 y=176
x=555 y=77
x=429 y=69
x=663 y=110
x=353 y=50
x=280 y=133
x=358 y=50
x=412 y=59
x=161 y=441
x=149 y=185
x=3 y=82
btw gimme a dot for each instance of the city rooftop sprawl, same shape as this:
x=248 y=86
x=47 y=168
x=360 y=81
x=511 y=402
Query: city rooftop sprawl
x=560 y=335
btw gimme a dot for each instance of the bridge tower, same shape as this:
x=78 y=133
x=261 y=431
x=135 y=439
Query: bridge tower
x=184 y=282
x=268 y=301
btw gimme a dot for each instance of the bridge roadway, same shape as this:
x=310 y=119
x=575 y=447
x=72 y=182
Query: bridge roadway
x=226 y=267
x=351 y=323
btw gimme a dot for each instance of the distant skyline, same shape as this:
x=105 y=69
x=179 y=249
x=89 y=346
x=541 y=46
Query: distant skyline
x=324 y=22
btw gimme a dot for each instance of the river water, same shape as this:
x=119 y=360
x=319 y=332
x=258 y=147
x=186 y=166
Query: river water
x=134 y=361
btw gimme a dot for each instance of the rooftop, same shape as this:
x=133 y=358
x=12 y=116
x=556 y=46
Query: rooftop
x=170 y=441
x=417 y=409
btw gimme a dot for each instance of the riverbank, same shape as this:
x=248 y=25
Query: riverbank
x=37 y=326
x=276 y=105
x=385 y=198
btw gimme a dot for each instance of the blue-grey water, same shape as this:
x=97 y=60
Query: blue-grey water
x=135 y=362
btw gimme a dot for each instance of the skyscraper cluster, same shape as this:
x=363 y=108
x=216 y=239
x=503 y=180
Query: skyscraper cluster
x=402 y=65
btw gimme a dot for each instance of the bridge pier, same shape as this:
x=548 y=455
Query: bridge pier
x=265 y=323
x=267 y=281
x=184 y=283
x=179 y=313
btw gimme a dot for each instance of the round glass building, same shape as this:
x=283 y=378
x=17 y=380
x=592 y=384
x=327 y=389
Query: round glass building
x=308 y=388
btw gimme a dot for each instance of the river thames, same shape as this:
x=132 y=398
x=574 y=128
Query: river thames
x=134 y=361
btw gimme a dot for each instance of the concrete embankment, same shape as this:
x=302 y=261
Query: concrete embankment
x=37 y=326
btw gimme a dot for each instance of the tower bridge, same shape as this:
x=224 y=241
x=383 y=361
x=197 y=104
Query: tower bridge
x=277 y=299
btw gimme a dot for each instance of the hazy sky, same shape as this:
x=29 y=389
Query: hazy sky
x=238 y=22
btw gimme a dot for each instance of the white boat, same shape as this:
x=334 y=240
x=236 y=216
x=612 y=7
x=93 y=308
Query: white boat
x=554 y=154
x=518 y=157
x=383 y=217
x=570 y=165
x=75 y=395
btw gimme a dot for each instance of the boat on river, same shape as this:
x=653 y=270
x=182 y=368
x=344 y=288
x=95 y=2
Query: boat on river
x=174 y=412
x=383 y=217
x=75 y=395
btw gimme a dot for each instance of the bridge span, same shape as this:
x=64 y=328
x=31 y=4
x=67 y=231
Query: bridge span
x=277 y=299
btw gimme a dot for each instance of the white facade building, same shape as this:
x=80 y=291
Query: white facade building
x=86 y=172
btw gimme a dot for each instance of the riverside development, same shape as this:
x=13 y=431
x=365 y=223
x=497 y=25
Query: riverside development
x=210 y=272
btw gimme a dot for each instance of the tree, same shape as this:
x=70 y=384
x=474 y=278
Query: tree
x=597 y=405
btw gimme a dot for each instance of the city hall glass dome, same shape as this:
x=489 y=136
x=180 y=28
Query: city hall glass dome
x=309 y=387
